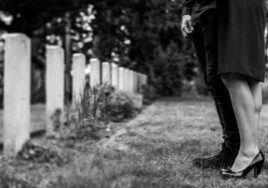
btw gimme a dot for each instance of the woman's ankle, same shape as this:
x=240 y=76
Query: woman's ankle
x=249 y=152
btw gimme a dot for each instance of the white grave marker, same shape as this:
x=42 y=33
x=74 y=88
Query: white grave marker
x=121 y=78
x=79 y=67
x=17 y=71
x=115 y=75
x=106 y=73
x=54 y=86
x=94 y=72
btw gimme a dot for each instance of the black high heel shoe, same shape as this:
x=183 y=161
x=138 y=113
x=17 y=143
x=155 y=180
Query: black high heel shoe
x=256 y=165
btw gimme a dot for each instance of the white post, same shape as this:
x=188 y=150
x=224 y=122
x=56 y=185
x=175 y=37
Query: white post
x=54 y=86
x=140 y=81
x=135 y=82
x=115 y=75
x=17 y=71
x=79 y=67
x=145 y=79
x=121 y=78
x=106 y=73
x=126 y=80
x=131 y=81
x=94 y=72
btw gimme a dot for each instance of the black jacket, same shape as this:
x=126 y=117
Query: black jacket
x=197 y=7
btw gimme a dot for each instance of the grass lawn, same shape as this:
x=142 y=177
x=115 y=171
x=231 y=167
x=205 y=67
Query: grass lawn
x=155 y=149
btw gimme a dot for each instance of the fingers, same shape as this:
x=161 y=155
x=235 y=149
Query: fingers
x=186 y=26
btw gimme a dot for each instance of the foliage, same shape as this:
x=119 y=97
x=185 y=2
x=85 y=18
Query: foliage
x=141 y=35
x=105 y=103
x=99 y=106
x=29 y=16
x=145 y=36
x=34 y=153
x=122 y=105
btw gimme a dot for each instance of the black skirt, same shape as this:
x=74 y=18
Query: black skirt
x=241 y=25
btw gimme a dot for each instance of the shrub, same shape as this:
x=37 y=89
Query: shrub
x=122 y=105
x=100 y=105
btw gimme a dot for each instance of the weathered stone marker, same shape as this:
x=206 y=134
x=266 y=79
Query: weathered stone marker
x=121 y=78
x=106 y=73
x=141 y=81
x=115 y=75
x=135 y=82
x=131 y=81
x=94 y=72
x=17 y=71
x=79 y=67
x=54 y=86
x=126 y=80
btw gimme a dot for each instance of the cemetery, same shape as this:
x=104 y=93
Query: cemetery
x=103 y=77
x=105 y=94
x=17 y=89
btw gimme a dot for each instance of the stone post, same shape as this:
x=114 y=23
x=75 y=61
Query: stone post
x=17 y=71
x=115 y=76
x=131 y=81
x=126 y=80
x=106 y=73
x=54 y=87
x=135 y=82
x=121 y=78
x=79 y=67
x=94 y=72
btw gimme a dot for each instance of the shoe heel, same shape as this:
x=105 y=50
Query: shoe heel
x=258 y=168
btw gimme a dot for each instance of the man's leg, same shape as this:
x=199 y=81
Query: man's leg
x=202 y=55
x=230 y=131
x=222 y=100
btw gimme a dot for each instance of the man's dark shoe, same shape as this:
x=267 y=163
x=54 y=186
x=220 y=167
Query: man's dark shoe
x=228 y=159
x=213 y=162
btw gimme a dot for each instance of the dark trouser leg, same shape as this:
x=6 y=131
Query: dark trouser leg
x=230 y=130
x=205 y=41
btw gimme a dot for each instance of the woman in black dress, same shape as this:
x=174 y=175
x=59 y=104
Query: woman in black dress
x=241 y=66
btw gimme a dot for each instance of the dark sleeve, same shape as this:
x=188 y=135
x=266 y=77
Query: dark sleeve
x=187 y=6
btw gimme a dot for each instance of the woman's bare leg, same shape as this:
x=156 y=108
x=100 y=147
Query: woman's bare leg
x=244 y=108
x=256 y=90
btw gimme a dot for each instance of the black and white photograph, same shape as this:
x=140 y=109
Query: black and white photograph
x=133 y=93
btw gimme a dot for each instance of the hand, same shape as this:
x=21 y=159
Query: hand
x=186 y=25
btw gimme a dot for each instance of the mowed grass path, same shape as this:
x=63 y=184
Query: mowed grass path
x=156 y=149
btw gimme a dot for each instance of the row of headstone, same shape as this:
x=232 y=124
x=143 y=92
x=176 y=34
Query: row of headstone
x=121 y=78
x=17 y=81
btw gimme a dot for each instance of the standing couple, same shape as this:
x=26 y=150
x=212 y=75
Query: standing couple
x=228 y=36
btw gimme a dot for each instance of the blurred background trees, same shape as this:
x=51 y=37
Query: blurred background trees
x=141 y=35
